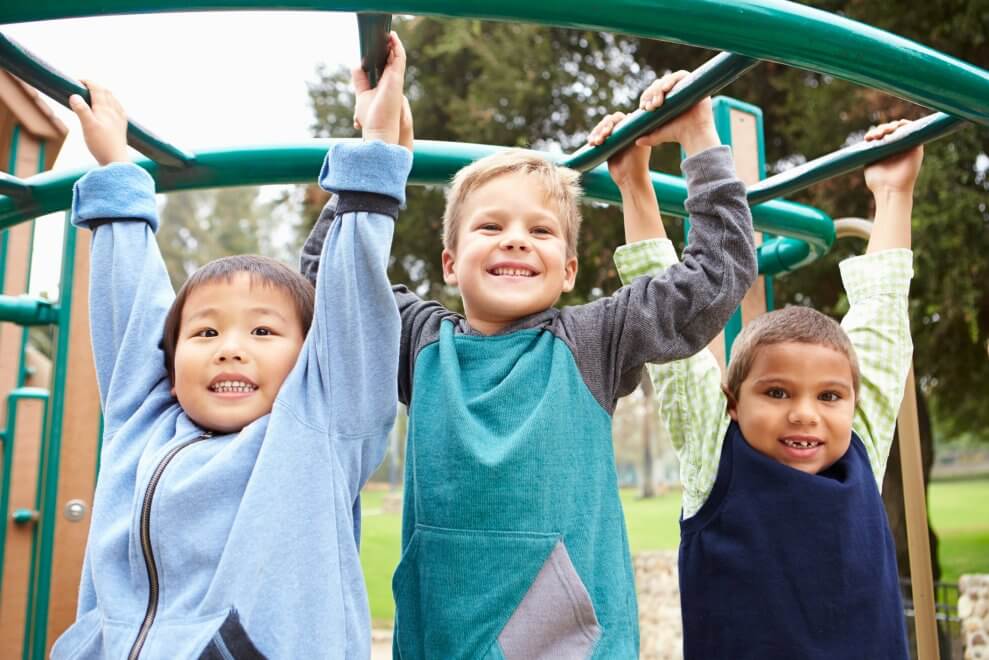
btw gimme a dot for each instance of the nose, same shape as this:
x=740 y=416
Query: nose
x=230 y=350
x=516 y=239
x=803 y=411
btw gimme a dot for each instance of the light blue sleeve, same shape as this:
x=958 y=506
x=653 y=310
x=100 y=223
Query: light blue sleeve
x=129 y=288
x=354 y=338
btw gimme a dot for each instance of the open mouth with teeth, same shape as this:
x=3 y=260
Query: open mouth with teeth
x=801 y=444
x=232 y=387
x=512 y=272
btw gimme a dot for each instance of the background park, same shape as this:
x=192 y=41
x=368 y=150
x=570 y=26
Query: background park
x=522 y=85
x=531 y=86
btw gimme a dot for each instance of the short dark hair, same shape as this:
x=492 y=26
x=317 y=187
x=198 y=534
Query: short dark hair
x=262 y=270
x=790 y=324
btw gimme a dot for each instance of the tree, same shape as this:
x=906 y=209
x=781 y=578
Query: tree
x=198 y=226
x=521 y=85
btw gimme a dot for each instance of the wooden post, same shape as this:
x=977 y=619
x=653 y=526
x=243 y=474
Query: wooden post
x=914 y=499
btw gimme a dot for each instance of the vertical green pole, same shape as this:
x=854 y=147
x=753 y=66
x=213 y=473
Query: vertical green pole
x=8 y=435
x=722 y=107
x=11 y=166
x=22 y=372
x=36 y=625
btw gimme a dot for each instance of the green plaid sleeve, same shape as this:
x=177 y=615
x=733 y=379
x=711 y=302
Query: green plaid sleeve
x=878 y=323
x=691 y=403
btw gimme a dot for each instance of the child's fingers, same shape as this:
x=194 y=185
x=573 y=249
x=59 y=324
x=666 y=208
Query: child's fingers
x=882 y=130
x=359 y=79
x=604 y=128
x=79 y=106
x=395 y=66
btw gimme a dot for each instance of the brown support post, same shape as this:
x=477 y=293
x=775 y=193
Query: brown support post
x=77 y=467
x=27 y=438
x=914 y=499
x=918 y=535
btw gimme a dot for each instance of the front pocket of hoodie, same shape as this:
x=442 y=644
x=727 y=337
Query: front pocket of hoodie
x=486 y=594
x=231 y=642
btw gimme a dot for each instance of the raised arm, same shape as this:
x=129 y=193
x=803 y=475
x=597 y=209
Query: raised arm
x=129 y=288
x=355 y=332
x=676 y=314
x=878 y=286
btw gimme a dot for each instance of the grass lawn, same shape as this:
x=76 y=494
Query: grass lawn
x=958 y=510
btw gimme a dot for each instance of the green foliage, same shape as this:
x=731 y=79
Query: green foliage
x=522 y=85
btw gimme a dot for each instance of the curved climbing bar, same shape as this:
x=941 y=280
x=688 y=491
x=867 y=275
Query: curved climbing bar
x=852 y=157
x=773 y=30
x=372 y=32
x=435 y=163
x=37 y=73
x=714 y=75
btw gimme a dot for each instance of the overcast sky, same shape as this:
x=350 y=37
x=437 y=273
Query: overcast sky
x=198 y=80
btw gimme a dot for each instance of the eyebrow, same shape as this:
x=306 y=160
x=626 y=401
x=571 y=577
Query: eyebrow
x=771 y=380
x=260 y=310
x=496 y=212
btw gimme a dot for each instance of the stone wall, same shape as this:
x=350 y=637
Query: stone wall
x=973 y=610
x=660 y=628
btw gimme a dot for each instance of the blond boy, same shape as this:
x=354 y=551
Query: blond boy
x=514 y=543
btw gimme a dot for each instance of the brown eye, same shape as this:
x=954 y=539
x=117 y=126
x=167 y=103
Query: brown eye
x=262 y=332
x=206 y=332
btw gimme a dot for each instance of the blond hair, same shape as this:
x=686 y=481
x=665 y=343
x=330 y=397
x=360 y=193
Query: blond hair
x=561 y=184
x=790 y=324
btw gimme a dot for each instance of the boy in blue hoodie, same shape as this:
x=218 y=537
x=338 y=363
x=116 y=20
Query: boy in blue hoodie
x=514 y=542
x=785 y=549
x=226 y=516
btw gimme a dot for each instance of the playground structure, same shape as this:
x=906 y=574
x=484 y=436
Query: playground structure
x=51 y=436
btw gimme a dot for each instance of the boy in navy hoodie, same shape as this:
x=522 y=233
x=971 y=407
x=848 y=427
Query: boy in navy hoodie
x=225 y=521
x=785 y=548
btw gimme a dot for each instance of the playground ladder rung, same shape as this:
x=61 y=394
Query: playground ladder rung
x=712 y=76
x=39 y=74
x=25 y=310
x=845 y=160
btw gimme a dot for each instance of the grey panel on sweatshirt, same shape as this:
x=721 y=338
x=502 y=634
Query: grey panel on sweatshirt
x=555 y=619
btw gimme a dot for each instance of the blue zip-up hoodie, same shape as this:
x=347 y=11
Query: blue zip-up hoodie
x=254 y=535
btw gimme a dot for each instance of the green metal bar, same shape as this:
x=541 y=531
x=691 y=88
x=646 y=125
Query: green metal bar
x=373 y=29
x=13 y=186
x=714 y=75
x=24 y=310
x=36 y=623
x=851 y=158
x=8 y=435
x=774 y=30
x=37 y=73
x=435 y=163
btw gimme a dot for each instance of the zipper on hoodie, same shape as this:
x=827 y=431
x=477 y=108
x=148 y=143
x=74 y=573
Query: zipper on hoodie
x=149 y=556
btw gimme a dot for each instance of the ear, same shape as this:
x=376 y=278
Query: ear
x=569 y=274
x=449 y=276
x=732 y=403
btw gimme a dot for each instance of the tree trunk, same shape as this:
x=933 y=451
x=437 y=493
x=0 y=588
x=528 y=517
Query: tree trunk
x=648 y=415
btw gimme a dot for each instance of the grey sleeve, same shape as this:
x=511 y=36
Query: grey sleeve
x=678 y=312
x=313 y=247
x=420 y=318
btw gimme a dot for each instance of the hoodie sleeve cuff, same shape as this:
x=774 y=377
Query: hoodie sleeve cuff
x=115 y=191
x=369 y=167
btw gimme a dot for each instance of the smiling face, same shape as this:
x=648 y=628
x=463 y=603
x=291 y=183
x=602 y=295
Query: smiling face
x=510 y=257
x=796 y=404
x=237 y=341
